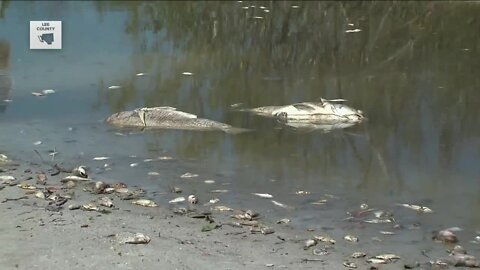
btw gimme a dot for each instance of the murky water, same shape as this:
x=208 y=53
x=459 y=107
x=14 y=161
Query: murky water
x=411 y=67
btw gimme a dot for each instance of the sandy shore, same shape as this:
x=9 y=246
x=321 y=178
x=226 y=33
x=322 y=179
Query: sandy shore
x=39 y=233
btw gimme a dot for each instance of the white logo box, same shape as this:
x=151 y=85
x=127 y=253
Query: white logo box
x=45 y=35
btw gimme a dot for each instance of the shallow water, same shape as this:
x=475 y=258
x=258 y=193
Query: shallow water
x=413 y=69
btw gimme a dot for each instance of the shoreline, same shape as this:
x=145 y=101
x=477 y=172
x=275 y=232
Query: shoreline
x=42 y=233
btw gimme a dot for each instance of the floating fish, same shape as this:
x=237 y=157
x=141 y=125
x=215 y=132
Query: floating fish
x=418 y=208
x=114 y=87
x=357 y=255
x=48 y=91
x=37 y=143
x=187 y=73
x=350 y=265
x=209 y=181
x=263 y=195
x=189 y=175
x=101 y=158
x=280 y=204
x=141 y=74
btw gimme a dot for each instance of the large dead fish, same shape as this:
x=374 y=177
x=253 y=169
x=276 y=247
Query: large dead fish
x=325 y=111
x=167 y=118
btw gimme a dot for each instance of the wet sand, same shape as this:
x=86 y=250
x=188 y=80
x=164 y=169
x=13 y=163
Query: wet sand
x=37 y=234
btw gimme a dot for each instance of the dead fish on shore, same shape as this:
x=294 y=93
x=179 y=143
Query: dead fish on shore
x=74 y=178
x=462 y=260
x=90 y=207
x=137 y=238
x=222 y=208
x=283 y=221
x=101 y=158
x=350 y=265
x=309 y=243
x=26 y=186
x=219 y=191
x=358 y=254
x=325 y=239
x=6 y=178
x=387 y=257
x=188 y=175
x=145 y=202
x=281 y=205
x=177 y=200
x=350 y=238
x=418 y=208
x=105 y=201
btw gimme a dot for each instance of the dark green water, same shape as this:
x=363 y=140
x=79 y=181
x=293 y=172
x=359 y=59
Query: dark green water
x=413 y=69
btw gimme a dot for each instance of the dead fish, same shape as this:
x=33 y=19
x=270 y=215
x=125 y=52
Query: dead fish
x=26 y=186
x=267 y=230
x=219 y=191
x=209 y=181
x=109 y=190
x=309 y=243
x=177 y=200
x=101 y=158
x=105 y=201
x=418 y=208
x=283 y=221
x=138 y=238
x=114 y=87
x=74 y=206
x=74 y=178
x=376 y=261
x=387 y=257
x=213 y=201
x=80 y=171
x=192 y=199
x=188 y=175
x=263 y=195
x=462 y=260
x=145 y=202
x=446 y=236
x=357 y=255
x=5 y=178
x=350 y=265
x=222 y=208
x=325 y=239
x=37 y=94
x=90 y=207
x=387 y=233
x=350 y=238
x=377 y=221
x=320 y=251
x=364 y=206
x=280 y=204
x=187 y=73
x=320 y=202
x=99 y=187
x=153 y=173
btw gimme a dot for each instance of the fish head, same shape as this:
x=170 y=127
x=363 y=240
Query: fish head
x=126 y=118
x=349 y=113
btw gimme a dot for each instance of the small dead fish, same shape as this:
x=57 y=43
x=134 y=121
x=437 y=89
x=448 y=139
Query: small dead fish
x=309 y=243
x=37 y=94
x=387 y=233
x=376 y=261
x=280 y=204
x=121 y=190
x=90 y=207
x=114 y=87
x=145 y=202
x=357 y=255
x=214 y=201
x=141 y=74
x=105 y=201
x=350 y=238
x=133 y=165
x=187 y=73
x=263 y=195
x=320 y=202
x=418 y=208
x=267 y=230
x=387 y=257
x=192 y=199
x=37 y=143
x=101 y=158
x=219 y=191
x=26 y=186
x=74 y=178
x=222 y=208
x=48 y=91
x=188 y=175
x=177 y=200
x=377 y=221
x=350 y=265
x=353 y=30
x=138 y=238
x=325 y=239
x=208 y=181
x=6 y=178
x=283 y=221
